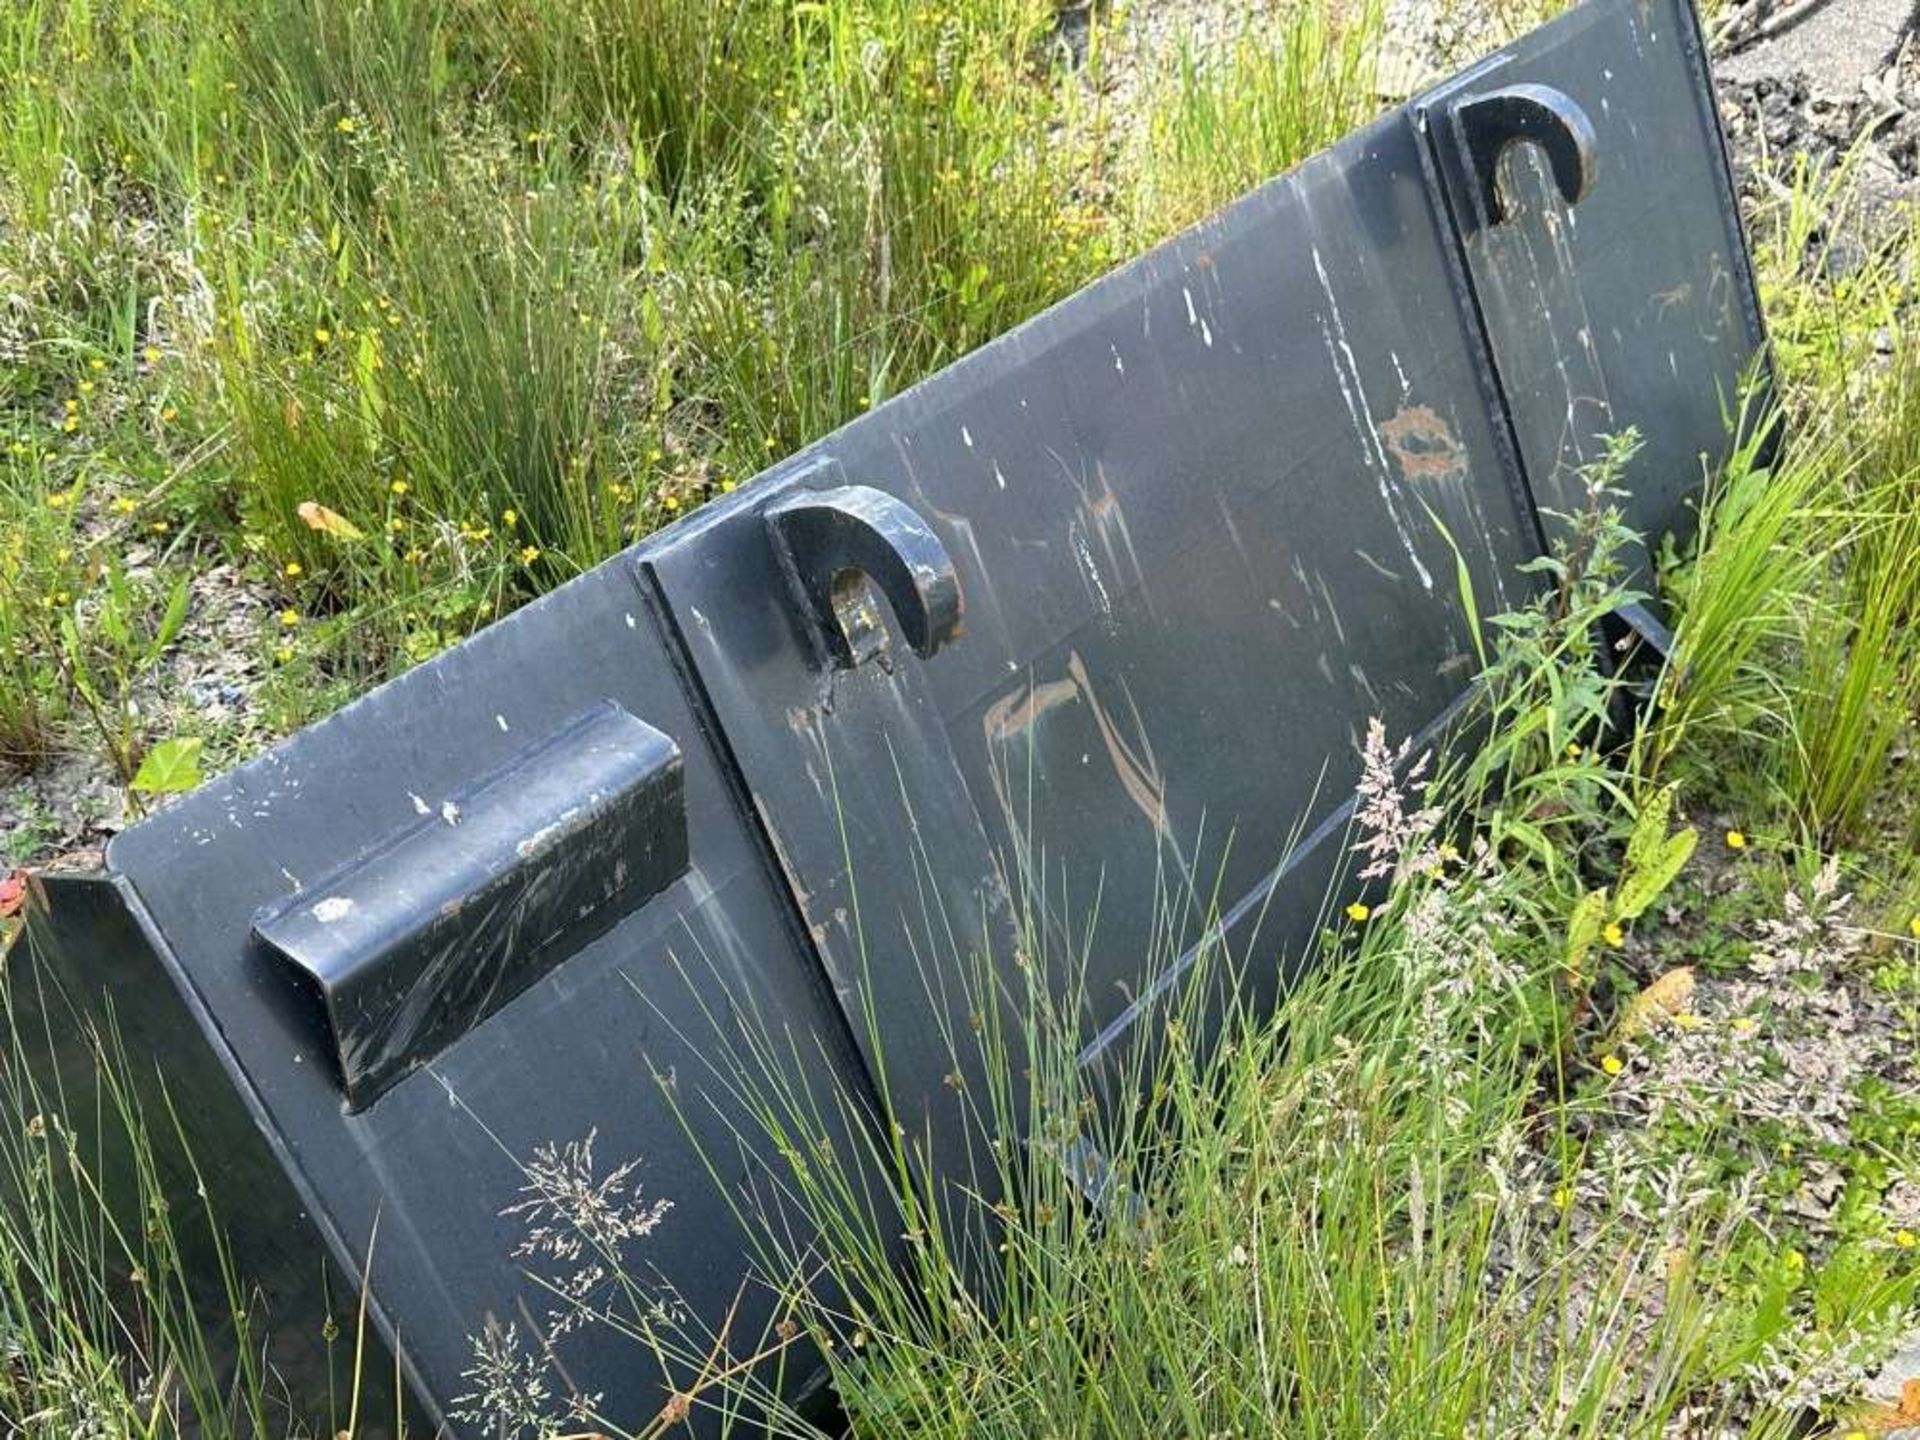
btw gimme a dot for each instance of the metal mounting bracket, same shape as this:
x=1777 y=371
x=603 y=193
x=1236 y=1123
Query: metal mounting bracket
x=832 y=542
x=1540 y=115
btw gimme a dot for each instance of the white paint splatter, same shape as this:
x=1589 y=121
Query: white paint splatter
x=1372 y=450
x=450 y=813
x=1092 y=571
x=333 y=908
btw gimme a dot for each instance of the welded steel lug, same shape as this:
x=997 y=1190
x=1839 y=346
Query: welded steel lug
x=833 y=542
x=1493 y=123
x=1639 y=649
x=1642 y=627
x=504 y=883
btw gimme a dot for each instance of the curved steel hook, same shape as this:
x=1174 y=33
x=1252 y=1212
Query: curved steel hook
x=829 y=540
x=1539 y=115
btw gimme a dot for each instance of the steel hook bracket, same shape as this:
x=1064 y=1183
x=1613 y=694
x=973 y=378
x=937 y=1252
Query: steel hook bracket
x=832 y=542
x=1491 y=124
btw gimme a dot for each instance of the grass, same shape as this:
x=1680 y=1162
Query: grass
x=104 y=1333
x=407 y=310
x=1794 y=649
x=505 y=284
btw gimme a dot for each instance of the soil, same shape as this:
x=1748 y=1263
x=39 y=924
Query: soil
x=206 y=684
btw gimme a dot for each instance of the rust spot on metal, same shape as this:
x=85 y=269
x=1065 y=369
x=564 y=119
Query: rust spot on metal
x=802 y=896
x=1423 y=445
x=1665 y=300
x=1012 y=716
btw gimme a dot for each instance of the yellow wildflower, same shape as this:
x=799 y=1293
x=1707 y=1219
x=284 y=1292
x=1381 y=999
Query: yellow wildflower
x=398 y=487
x=1913 y=927
x=1614 y=935
x=1736 y=840
x=289 y=618
x=345 y=124
x=1613 y=1064
x=292 y=569
x=322 y=335
x=168 y=415
x=1358 y=912
x=1905 y=1239
x=529 y=554
x=509 y=518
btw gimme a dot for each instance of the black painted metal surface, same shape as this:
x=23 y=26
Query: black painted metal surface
x=1635 y=307
x=1100 y=613
x=416 y=943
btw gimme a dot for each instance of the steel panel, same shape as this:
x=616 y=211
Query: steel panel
x=1636 y=306
x=1196 y=514
x=436 y=1159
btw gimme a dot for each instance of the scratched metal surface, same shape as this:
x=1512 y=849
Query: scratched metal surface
x=1636 y=306
x=1198 y=515
x=409 y=948
x=436 y=1159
